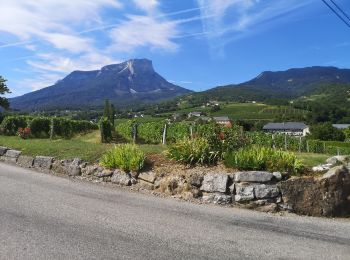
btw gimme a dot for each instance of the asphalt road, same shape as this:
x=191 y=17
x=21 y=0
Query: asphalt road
x=48 y=217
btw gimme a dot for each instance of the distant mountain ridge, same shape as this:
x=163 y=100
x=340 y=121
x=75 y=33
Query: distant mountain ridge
x=287 y=84
x=133 y=81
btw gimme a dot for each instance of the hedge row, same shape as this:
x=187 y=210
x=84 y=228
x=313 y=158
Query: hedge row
x=44 y=127
x=297 y=144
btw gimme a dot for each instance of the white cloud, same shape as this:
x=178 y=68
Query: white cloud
x=144 y=31
x=235 y=19
x=147 y=5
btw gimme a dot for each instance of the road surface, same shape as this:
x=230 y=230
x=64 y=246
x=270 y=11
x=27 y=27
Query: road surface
x=48 y=217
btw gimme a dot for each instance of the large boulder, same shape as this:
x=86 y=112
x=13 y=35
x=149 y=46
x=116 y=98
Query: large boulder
x=43 y=162
x=253 y=176
x=325 y=196
x=215 y=182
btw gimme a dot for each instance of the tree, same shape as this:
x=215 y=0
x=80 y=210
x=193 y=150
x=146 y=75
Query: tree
x=112 y=115
x=3 y=90
x=107 y=109
x=326 y=132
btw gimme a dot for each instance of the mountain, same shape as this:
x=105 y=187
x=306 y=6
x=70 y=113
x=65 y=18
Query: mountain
x=287 y=84
x=130 y=82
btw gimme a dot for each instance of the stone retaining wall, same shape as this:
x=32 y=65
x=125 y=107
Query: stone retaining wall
x=328 y=195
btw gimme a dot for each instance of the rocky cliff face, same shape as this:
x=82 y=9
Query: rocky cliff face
x=131 y=81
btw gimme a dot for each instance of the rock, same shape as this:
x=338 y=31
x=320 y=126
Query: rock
x=244 y=193
x=327 y=196
x=264 y=191
x=134 y=174
x=3 y=150
x=146 y=185
x=215 y=182
x=121 y=178
x=268 y=208
x=74 y=170
x=43 y=162
x=68 y=167
x=148 y=177
x=222 y=199
x=338 y=159
x=232 y=188
x=217 y=198
x=11 y=156
x=322 y=167
x=195 y=180
x=103 y=173
x=90 y=170
x=253 y=176
x=25 y=161
x=277 y=175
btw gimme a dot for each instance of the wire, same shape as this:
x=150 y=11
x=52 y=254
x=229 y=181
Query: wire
x=340 y=9
x=336 y=13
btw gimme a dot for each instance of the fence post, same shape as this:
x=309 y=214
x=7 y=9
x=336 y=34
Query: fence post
x=338 y=151
x=134 y=133
x=307 y=147
x=324 y=147
x=273 y=141
x=164 y=134
x=51 y=129
x=191 y=132
x=299 y=144
x=285 y=141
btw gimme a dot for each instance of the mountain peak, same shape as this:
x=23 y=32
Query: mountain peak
x=131 y=81
x=133 y=65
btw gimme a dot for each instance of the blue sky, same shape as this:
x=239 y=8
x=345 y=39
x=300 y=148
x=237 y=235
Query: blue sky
x=197 y=44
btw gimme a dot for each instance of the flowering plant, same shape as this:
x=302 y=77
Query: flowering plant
x=24 y=133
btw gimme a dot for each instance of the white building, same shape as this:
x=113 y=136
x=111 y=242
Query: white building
x=290 y=128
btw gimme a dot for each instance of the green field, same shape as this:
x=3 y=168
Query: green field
x=312 y=159
x=86 y=147
x=246 y=111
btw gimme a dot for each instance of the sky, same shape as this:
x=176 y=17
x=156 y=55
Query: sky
x=196 y=44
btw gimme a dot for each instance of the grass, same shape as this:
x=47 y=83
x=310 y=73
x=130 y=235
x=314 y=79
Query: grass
x=86 y=147
x=312 y=159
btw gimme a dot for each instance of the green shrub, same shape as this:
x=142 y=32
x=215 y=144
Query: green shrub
x=193 y=151
x=125 y=156
x=178 y=131
x=11 y=124
x=263 y=158
x=151 y=132
x=326 y=132
x=106 y=129
x=66 y=128
x=40 y=127
x=125 y=130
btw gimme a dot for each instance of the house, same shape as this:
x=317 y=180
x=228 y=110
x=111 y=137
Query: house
x=290 y=128
x=341 y=126
x=223 y=120
x=194 y=114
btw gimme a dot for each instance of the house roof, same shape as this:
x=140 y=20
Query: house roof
x=195 y=113
x=285 y=126
x=221 y=118
x=341 y=126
